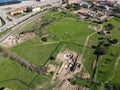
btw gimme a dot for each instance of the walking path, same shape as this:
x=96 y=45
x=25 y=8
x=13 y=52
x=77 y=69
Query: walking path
x=86 y=43
x=83 y=52
x=48 y=43
x=84 y=48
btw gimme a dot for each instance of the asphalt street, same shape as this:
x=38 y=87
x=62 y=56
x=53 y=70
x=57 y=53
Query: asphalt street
x=22 y=24
x=4 y=13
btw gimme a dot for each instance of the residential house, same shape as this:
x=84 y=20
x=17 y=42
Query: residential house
x=17 y=10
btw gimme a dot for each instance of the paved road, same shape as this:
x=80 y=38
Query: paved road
x=23 y=24
x=4 y=13
x=16 y=28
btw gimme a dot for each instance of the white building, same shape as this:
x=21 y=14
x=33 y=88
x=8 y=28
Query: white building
x=73 y=1
x=42 y=0
x=36 y=9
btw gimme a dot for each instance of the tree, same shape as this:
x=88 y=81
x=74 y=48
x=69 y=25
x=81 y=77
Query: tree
x=76 y=6
x=44 y=39
x=68 y=6
x=52 y=58
x=0 y=49
x=55 y=8
x=28 y=9
x=117 y=9
x=107 y=44
x=101 y=38
x=2 y=88
x=99 y=52
x=94 y=47
x=114 y=41
x=109 y=27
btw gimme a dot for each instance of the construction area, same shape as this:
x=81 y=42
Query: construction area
x=71 y=65
x=92 y=15
x=16 y=39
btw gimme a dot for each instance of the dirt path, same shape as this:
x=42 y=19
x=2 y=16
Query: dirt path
x=48 y=43
x=83 y=51
x=84 y=48
x=54 y=76
x=86 y=43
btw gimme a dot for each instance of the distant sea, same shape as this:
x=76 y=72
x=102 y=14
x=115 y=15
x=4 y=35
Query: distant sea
x=11 y=0
x=5 y=2
x=8 y=0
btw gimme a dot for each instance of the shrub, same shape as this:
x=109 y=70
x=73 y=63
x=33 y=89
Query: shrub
x=44 y=39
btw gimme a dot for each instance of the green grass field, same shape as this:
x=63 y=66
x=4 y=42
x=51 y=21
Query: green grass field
x=34 y=51
x=89 y=57
x=71 y=34
x=16 y=77
x=37 y=52
x=70 y=30
x=107 y=63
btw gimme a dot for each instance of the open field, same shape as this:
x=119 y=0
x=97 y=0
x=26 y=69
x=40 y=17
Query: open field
x=67 y=32
x=116 y=78
x=34 y=51
x=71 y=30
x=15 y=77
x=28 y=26
x=89 y=57
x=109 y=64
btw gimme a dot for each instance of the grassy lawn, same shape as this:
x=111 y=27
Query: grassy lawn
x=28 y=26
x=4 y=32
x=35 y=51
x=19 y=15
x=106 y=68
x=89 y=57
x=116 y=79
x=70 y=30
x=44 y=81
x=15 y=77
x=71 y=34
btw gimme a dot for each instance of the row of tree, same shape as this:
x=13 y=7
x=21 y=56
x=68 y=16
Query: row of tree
x=104 y=43
x=74 y=6
x=23 y=62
